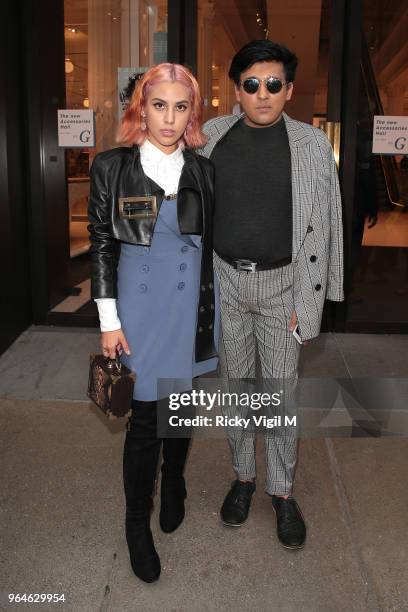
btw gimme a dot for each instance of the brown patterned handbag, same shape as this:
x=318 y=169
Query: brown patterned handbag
x=110 y=386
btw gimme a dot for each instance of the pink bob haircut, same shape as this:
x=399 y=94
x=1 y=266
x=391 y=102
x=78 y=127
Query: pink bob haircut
x=130 y=131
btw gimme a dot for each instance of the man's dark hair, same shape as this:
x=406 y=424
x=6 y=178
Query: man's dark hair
x=263 y=51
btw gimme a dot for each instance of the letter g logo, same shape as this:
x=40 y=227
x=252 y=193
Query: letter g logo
x=400 y=143
x=85 y=136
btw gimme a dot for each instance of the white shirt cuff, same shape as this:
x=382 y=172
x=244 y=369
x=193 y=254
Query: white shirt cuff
x=108 y=315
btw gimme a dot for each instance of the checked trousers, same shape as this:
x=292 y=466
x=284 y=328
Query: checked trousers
x=256 y=308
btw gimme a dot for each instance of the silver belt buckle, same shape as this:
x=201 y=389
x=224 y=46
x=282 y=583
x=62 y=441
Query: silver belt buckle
x=245 y=265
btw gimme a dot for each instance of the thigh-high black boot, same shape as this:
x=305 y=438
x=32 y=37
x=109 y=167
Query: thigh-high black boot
x=173 y=489
x=140 y=457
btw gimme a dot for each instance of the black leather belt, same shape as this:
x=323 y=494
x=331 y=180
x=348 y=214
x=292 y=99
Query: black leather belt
x=245 y=265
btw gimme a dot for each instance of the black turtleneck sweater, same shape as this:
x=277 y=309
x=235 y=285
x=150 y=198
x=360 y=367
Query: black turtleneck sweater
x=253 y=193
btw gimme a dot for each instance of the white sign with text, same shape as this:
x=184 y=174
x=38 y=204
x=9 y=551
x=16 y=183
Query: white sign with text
x=76 y=128
x=390 y=135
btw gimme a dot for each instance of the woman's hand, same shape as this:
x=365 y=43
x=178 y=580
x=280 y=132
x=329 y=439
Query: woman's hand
x=113 y=341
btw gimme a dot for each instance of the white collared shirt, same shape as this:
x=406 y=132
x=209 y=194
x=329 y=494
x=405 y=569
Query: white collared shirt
x=165 y=170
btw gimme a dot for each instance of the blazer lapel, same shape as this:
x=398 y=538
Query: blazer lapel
x=219 y=128
x=302 y=181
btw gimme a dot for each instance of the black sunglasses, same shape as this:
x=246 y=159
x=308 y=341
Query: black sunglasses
x=273 y=84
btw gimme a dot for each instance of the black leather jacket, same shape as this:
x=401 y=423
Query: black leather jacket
x=118 y=173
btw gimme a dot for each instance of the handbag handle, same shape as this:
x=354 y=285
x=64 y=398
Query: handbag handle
x=111 y=363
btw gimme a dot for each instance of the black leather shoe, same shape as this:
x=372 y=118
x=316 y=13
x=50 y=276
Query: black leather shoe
x=173 y=494
x=235 y=508
x=291 y=528
x=144 y=559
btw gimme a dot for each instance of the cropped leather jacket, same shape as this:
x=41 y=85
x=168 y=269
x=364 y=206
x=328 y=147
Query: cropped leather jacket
x=116 y=175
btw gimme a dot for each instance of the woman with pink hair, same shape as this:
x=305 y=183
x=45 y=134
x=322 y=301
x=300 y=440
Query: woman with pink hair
x=150 y=212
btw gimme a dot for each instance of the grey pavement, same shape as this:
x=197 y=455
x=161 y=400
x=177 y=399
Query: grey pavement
x=62 y=501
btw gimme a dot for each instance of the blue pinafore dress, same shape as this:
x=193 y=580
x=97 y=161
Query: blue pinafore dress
x=158 y=291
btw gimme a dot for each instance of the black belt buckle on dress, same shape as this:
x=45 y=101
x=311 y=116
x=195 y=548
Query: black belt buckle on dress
x=138 y=207
x=245 y=265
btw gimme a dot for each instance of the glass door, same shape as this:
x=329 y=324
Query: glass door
x=108 y=45
x=379 y=254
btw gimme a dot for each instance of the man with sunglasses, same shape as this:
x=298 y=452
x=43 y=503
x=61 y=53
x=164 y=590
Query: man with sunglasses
x=278 y=246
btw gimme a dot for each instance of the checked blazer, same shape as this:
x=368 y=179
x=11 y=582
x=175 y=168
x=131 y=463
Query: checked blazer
x=317 y=238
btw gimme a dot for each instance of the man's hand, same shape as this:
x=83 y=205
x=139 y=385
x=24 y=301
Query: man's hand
x=293 y=325
x=113 y=341
x=293 y=322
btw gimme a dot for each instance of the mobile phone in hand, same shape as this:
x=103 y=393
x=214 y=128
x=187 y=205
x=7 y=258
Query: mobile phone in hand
x=296 y=334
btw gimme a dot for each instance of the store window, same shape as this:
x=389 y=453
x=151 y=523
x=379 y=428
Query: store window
x=107 y=42
x=379 y=257
x=108 y=45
